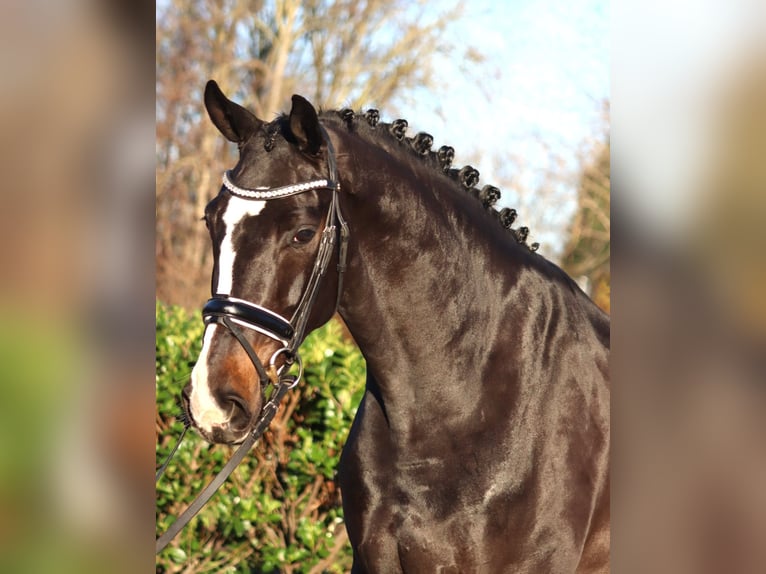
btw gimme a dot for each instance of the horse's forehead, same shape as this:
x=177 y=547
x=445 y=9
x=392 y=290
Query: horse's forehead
x=235 y=210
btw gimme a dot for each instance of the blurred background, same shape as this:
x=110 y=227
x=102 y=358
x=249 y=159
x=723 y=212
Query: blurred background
x=523 y=91
x=77 y=258
x=689 y=286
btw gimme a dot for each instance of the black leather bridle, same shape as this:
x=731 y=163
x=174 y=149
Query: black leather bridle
x=289 y=333
x=232 y=313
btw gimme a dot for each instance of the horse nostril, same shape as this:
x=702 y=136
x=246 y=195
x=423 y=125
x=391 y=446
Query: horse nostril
x=240 y=412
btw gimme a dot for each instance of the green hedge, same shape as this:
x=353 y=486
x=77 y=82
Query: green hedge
x=280 y=510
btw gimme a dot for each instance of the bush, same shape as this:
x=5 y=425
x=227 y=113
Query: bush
x=280 y=509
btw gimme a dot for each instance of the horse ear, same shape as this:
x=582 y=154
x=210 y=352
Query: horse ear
x=235 y=122
x=304 y=125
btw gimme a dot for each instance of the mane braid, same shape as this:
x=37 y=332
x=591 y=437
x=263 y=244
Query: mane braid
x=271 y=134
x=420 y=145
x=347 y=114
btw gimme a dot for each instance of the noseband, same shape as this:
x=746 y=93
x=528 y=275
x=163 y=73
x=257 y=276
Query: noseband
x=232 y=313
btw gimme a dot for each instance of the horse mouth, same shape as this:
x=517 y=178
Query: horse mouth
x=218 y=434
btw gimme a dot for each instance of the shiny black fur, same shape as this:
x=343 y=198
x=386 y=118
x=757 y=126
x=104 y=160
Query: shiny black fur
x=482 y=440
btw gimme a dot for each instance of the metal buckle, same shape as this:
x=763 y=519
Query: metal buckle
x=292 y=357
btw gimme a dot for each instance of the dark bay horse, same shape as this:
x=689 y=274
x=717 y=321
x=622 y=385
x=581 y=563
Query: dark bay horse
x=482 y=440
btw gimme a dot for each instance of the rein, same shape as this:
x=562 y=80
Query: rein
x=232 y=313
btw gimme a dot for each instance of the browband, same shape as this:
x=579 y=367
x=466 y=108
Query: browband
x=264 y=193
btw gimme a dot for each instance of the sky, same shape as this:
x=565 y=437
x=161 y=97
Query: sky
x=664 y=68
x=539 y=91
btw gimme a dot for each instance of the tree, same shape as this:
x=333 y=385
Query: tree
x=587 y=253
x=344 y=53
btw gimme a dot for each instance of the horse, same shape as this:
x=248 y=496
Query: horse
x=481 y=443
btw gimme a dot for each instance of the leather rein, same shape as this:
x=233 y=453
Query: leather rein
x=233 y=313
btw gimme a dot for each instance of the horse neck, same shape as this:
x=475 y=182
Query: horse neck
x=423 y=283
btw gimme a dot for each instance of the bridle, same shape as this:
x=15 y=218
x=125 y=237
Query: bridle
x=232 y=313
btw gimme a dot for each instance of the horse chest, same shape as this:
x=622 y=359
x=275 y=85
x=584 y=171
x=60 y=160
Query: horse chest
x=409 y=527
x=453 y=513
x=409 y=515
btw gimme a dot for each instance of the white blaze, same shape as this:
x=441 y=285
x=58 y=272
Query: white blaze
x=204 y=408
x=236 y=211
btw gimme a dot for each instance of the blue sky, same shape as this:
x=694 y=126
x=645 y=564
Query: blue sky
x=540 y=91
x=547 y=66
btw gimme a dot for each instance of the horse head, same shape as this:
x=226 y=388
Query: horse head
x=273 y=228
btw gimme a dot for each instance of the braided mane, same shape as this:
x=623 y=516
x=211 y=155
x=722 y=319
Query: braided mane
x=421 y=145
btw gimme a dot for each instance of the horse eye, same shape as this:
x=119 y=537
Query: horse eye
x=304 y=235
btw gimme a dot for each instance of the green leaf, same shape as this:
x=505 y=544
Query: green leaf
x=177 y=555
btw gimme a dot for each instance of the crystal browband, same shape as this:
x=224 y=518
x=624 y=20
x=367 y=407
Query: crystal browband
x=266 y=193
